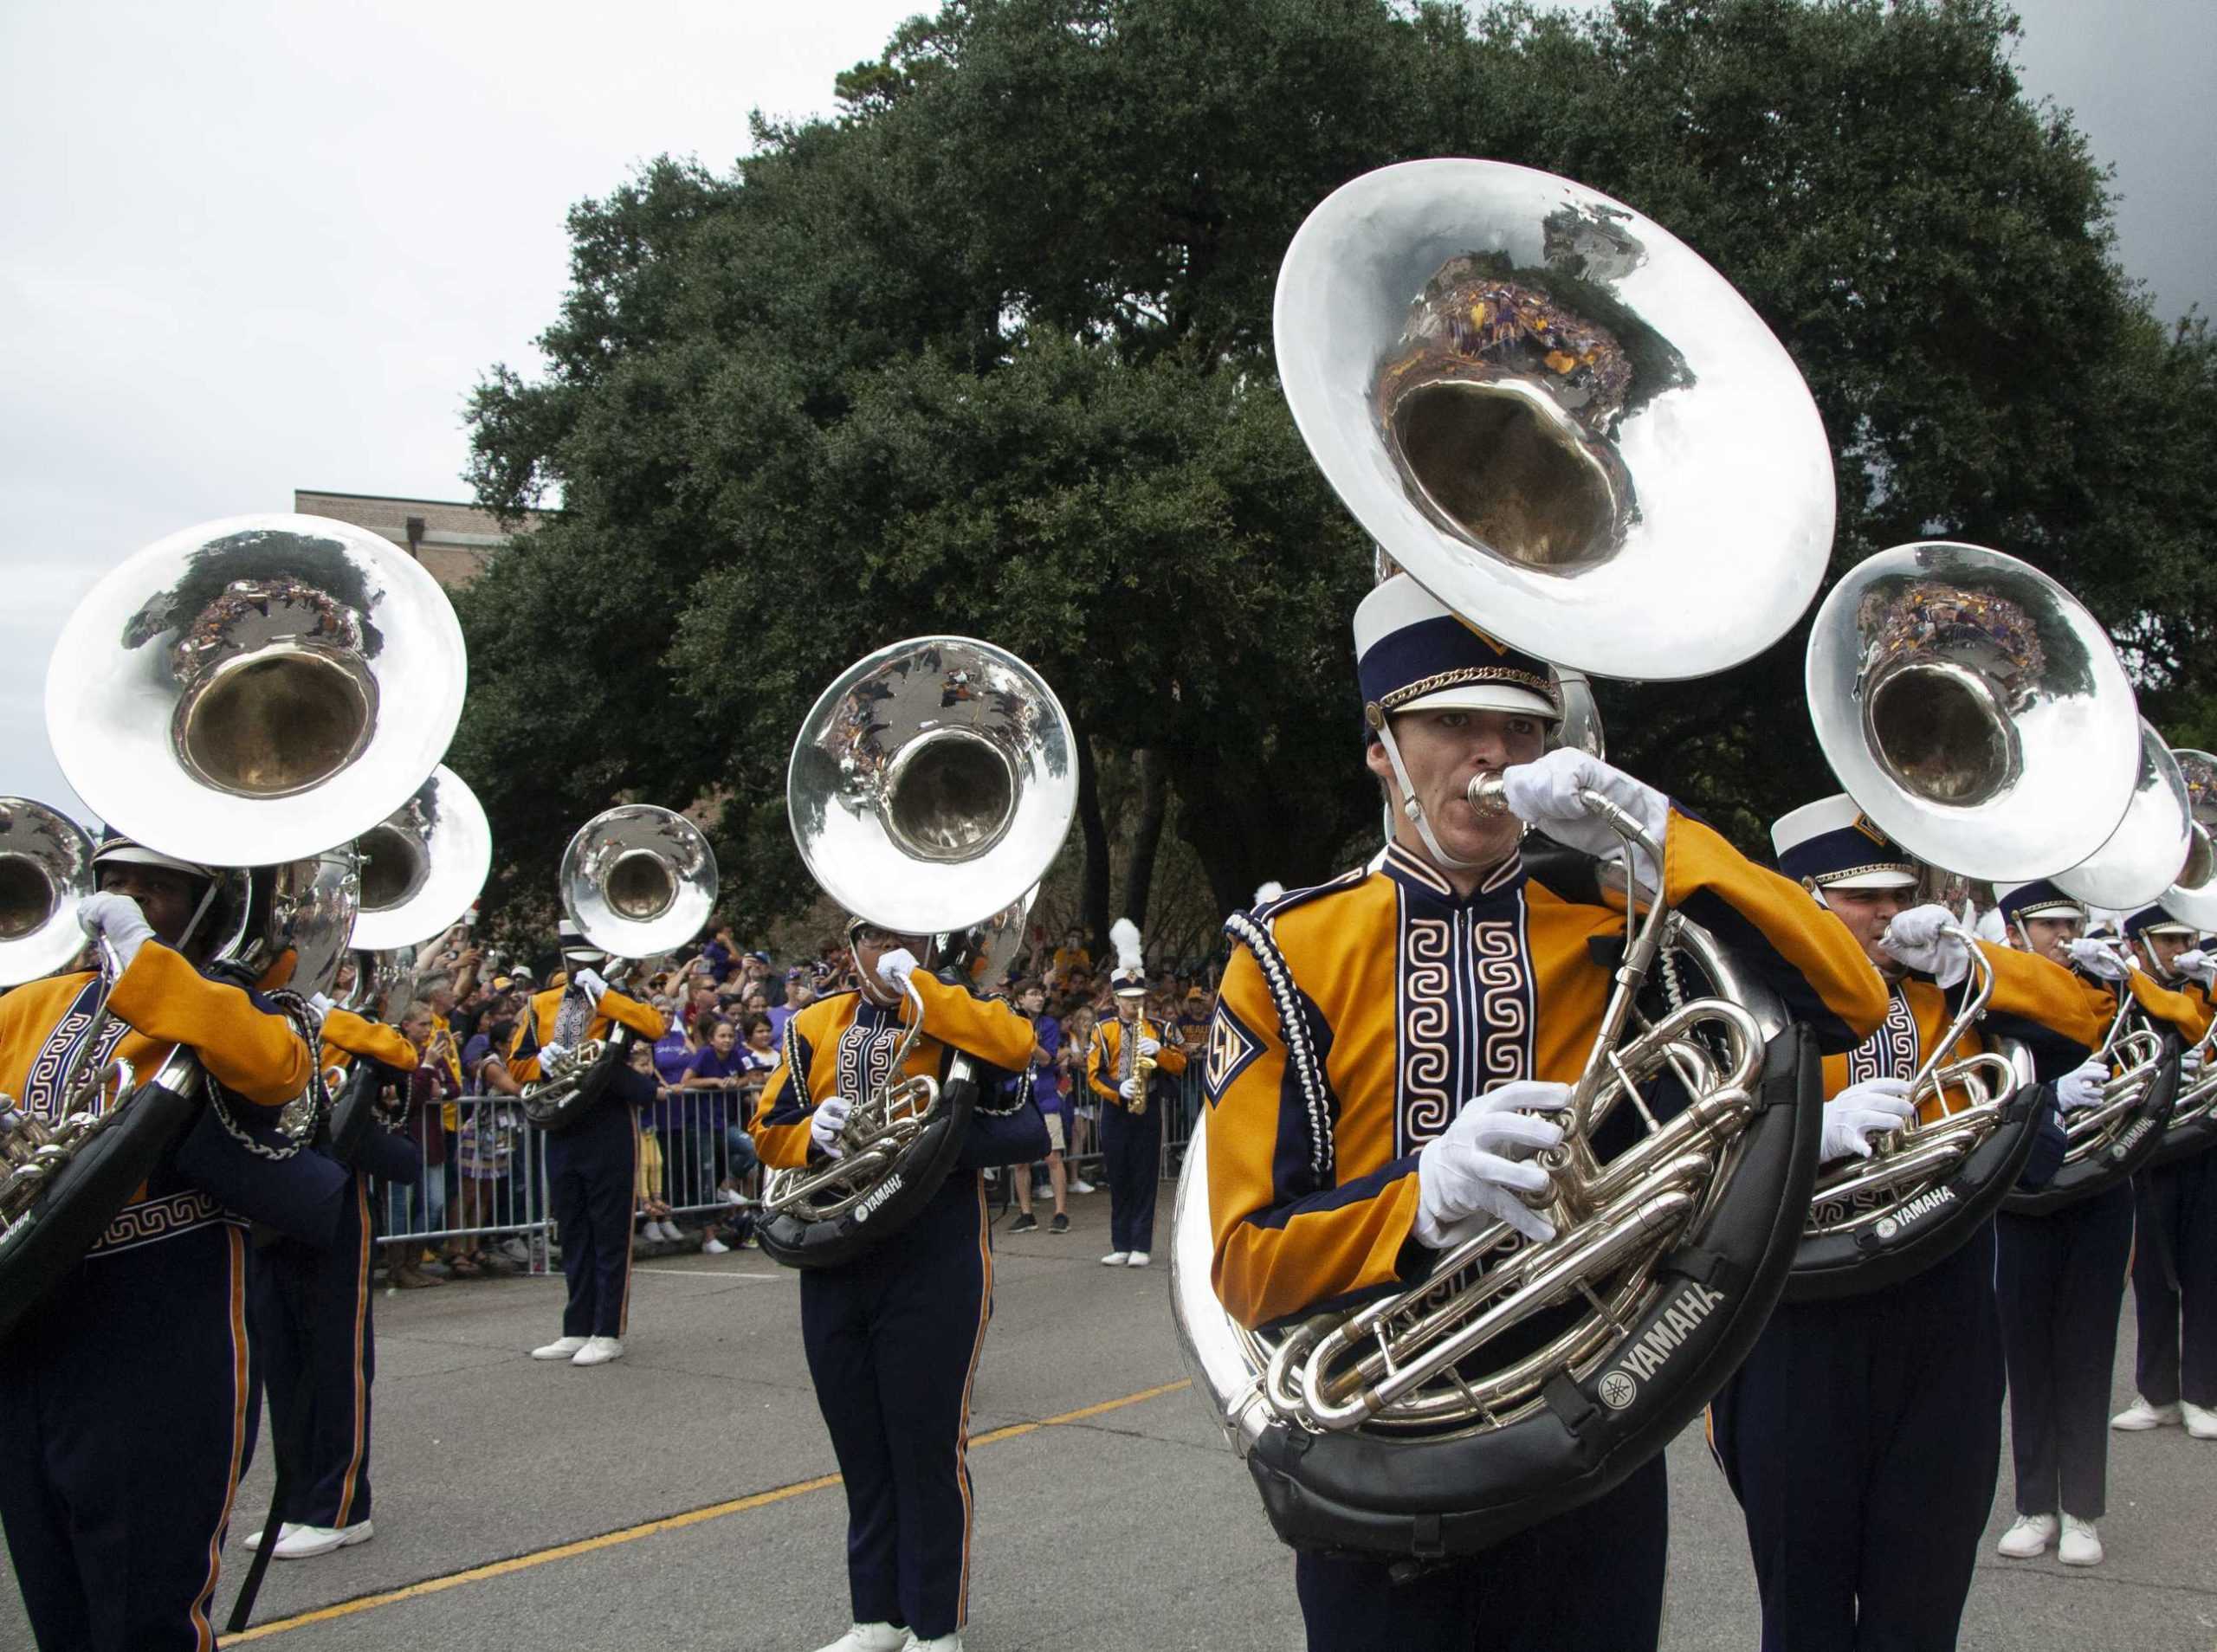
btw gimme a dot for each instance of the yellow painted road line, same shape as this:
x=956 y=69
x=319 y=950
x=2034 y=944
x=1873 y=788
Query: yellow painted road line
x=652 y=1528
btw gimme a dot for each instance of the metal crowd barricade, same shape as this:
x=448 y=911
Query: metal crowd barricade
x=693 y=1146
x=491 y=1187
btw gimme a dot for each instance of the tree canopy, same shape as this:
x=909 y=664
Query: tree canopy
x=990 y=353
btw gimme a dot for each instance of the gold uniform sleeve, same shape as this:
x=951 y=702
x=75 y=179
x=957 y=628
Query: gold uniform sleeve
x=253 y=1053
x=349 y=1033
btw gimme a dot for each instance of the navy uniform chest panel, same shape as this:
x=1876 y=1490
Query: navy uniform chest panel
x=863 y=1061
x=1890 y=1052
x=1464 y=1004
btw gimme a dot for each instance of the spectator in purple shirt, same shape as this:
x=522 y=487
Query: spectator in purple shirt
x=798 y=995
x=1047 y=1033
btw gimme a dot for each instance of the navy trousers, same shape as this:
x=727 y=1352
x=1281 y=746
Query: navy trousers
x=2174 y=1282
x=2059 y=1280
x=1133 y=1148
x=1862 y=1438
x=309 y=1309
x=126 y=1423
x=590 y=1172
x=893 y=1340
x=1587 y=1580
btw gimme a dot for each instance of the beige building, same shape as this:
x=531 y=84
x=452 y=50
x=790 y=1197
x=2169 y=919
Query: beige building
x=453 y=541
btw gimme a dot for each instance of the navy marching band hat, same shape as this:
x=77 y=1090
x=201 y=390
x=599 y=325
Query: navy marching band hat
x=2037 y=899
x=1831 y=845
x=1414 y=653
x=2153 y=919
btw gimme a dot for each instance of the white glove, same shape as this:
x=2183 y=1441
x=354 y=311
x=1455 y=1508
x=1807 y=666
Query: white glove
x=1149 y=1046
x=896 y=967
x=589 y=983
x=829 y=1119
x=548 y=1055
x=321 y=1004
x=1468 y=1171
x=2197 y=965
x=1860 y=1112
x=2101 y=959
x=2082 y=1086
x=118 y=918
x=1545 y=794
x=1924 y=938
x=1129 y=1089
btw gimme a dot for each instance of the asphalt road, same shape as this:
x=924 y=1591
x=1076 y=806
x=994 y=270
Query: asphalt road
x=680 y=1497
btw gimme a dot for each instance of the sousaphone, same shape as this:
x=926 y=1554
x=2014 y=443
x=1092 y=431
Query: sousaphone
x=930 y=789
x=1560 y=421
x=1978 y=713
x=636 y=880
x=243 y=694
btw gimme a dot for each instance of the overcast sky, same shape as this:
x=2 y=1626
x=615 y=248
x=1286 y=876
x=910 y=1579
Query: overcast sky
x=247 y=246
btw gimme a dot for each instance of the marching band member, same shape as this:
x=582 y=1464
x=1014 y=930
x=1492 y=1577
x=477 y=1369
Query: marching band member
x=1863 y=1436
x=591 y=1167
x=117 y=1470
x=1131 y=1106
x=2058 y=1278
x=309 y=1308
x=2174 y=1206
x=893 y=1337
x=1444 y=999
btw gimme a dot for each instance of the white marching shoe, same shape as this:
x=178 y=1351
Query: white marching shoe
x=870 y=1637
x=2201 y=1421
x=2141 y=1415
x=598 y=1350
x=2028 y=1535
x=252 y=1540
x=560 y=1348
x=2080 y=1546
x=1137 y=1259
x=1116 y=1259
x=937 y=1643
x=306 y=1542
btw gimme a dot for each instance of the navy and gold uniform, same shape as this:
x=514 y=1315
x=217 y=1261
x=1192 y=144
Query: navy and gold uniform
x=1863 y=1436
x=1133 y=1145
x=591 y=1167
x=124 y=1396
x=1351 y=1026
x=2174 y=1248
x=309 y=1308
x=893 y=1337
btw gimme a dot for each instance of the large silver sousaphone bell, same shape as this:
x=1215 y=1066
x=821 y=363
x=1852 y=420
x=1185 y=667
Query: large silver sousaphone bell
x=2148 y=851
x=46 y=868
x=423 y=864
x=1557 y=416
x=639 y=880
x=256 y=688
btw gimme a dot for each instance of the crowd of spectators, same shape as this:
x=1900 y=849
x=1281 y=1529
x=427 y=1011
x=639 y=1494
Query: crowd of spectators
x=725 y=1005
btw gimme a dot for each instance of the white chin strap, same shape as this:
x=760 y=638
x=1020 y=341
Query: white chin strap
x=1412 y=808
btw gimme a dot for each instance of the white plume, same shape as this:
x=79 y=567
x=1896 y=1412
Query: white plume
x=1269 y=892
x=1990 y=927
x=1124 y=935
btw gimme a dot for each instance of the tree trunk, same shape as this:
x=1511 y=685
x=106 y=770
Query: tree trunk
x=1093 y=879
x=1146 y=837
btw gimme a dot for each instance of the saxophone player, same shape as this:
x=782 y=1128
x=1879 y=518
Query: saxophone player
x=1384 y=1052
x=893 y=1336
x=1130 y=1067
x=117 y=1470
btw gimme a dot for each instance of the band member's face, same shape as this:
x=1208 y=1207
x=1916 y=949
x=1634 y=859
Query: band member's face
x=1127 y=1007
x=1444 y=752
x=1866 y=912
x=870 y=946
x=2157 y=952
x=2051 y=938
x=167 y=898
